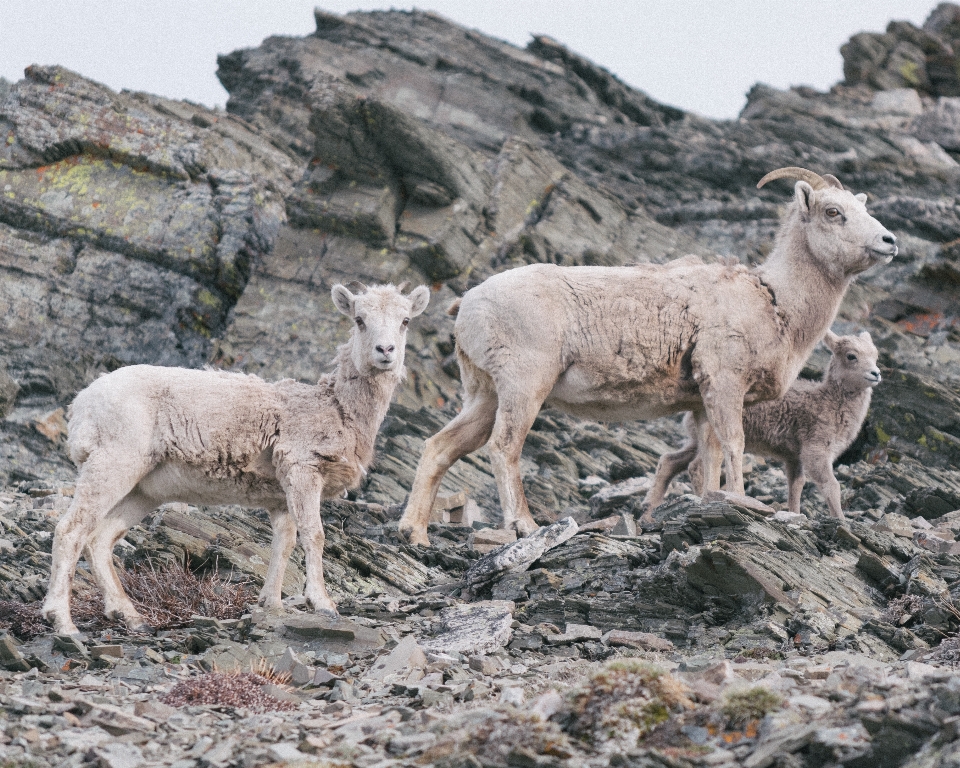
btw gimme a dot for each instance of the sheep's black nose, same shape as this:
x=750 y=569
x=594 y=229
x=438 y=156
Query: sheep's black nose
x=890 y=239
x=385 y=350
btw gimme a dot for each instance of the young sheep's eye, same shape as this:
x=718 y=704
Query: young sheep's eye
x=360 y=324
x=832 y=213
x=851 y=357
x=406 y=322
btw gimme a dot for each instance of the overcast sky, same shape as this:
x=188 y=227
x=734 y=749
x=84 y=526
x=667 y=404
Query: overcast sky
x=700 y=55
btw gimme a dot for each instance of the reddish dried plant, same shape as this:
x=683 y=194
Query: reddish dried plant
x=246 y=690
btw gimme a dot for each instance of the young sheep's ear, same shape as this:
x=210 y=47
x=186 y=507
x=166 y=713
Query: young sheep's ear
x=803 y=191
x=342 y=299
x=862 y=197
x=830 y=340
x=865 y=335
x=419 y=298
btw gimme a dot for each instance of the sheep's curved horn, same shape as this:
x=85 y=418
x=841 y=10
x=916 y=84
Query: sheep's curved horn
x=815 y=180
x=832 y=180
x=356 y=286
x=403 y=286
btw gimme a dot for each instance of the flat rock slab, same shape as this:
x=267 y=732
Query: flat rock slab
x=334 y=632
x=407 y=656
x=646 y=641
x=517 y=557
x=474 y=628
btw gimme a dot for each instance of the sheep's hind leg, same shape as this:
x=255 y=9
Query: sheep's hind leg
x=669 y=466
x=126 y=514
x=284 y=539
x=304 y=489
x=103 y=482
x=464 y=434
x=795 y=483
x=821 y=472
x=515 y=415
x=723 y=405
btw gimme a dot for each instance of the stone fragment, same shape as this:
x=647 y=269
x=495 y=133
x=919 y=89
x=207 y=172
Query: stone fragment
x=9 y=389
x=575 y=633
x=898 y=525
x=546 y=706
x=615 y=496
x=70 y=645
x=118 y=721
x=517 y=557
x=83 y=739
x=739 y=500
x=154 y=709
x=646 y=641
x=111 y=651
x=789 y=518
x=488 y=539
x=323 y=677
x=478 y=628
x=626 y=525
x=900 y=101
x=10 y=656
x=300 y=672
x=286 y=752
x=336 y=631
x=486 y=665
x=119 y=754
x=405 y=657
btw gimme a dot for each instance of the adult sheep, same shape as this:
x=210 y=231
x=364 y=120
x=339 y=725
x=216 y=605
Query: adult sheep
x=617 y=343
x=145 y=435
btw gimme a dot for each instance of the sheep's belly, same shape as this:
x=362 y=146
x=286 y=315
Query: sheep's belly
x=191 y=485
x=579 y=392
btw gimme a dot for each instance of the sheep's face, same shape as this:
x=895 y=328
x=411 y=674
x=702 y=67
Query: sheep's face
x=841 y=235
x=380 y=316
x=854 y=362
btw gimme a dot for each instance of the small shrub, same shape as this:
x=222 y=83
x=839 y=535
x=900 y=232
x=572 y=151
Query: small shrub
x=740 y=707
x=242 y=690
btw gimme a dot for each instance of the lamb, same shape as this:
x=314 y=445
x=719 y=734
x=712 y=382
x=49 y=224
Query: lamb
x=145 y=435
x=615 y=343
x=806 y=429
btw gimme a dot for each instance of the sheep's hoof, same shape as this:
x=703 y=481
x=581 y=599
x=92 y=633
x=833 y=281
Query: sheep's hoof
x=649 y=524
x=414 y=536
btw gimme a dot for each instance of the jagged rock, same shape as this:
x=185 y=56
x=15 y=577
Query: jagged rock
x=407 y=656
x=517 y=557
x=477 y=628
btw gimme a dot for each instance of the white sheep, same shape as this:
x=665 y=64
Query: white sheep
x=616 y=343
x=806 y=429
x=145 y=435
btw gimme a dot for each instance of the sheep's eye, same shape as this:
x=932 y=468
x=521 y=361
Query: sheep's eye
x=851 y=357
x=360 y=324
x=833 y=213
x=406 y=322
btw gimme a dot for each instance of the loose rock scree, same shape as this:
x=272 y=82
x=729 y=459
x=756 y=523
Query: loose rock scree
x=616 y=343
x=145 y=435
x=806 y=429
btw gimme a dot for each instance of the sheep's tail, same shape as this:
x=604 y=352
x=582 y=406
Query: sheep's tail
x=454 y=307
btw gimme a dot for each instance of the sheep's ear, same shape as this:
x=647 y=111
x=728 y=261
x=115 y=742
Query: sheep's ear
x=865 y=335
x=419 y=298
x=830 y=340
x=803 y=191
x=862 y=197
x=343 y=299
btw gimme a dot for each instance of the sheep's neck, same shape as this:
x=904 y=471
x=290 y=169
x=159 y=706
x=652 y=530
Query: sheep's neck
x=807 y=298
x=363 y=399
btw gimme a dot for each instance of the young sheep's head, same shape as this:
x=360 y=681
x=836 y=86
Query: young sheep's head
x=380 y=315
x=843 y=238
x=854 y=361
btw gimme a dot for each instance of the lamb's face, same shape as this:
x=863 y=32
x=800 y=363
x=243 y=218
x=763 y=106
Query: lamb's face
x=841 y=234
x=854 y=362
x=380 y=315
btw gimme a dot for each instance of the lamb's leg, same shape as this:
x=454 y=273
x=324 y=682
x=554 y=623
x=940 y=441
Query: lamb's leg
x=304 y=490
x=284 y=539
x=818 y=467
x=723 y=403
x=104 y=480
x=669 y=466
x=128 y=513
x=795 y=483
x=464 y=434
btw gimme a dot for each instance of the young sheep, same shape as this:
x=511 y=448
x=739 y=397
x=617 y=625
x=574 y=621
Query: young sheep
x=616 y=343
x=144 y=435
x=806 y=429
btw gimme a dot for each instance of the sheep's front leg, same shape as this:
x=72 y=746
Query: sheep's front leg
x=284 y=538
x=819 y=468
x=795 y=483
x=669 y=466
x=304 y=490
x=723 y=404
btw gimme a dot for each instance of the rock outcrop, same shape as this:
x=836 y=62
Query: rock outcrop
x=396 y=145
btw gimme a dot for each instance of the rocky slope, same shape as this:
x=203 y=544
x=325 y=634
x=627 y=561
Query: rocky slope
x=396 y=145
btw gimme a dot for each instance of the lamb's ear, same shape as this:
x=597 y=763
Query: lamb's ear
x=343 y=299
x=865 y=335
x=803 y=191
x=419 y=298
x=830 y=340
x=862 y=197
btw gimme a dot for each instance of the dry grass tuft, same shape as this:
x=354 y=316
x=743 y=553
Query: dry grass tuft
x=624 y=701
x=901 y=610
x=167 y=596
x=22 y=619
x=244 y=690
x=741 y=707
